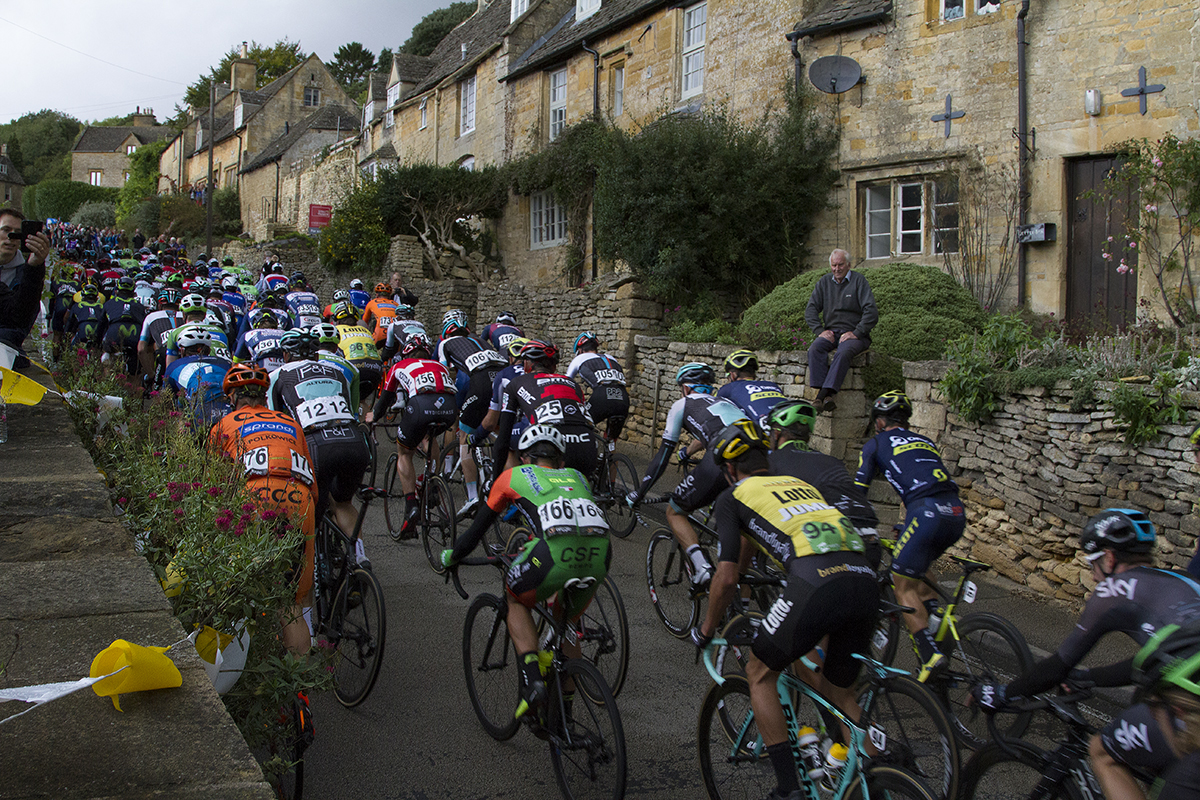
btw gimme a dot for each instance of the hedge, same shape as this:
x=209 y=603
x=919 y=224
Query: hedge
x=59 y=199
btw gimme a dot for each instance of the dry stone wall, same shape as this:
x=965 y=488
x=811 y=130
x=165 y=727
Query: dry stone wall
x=1034 y=473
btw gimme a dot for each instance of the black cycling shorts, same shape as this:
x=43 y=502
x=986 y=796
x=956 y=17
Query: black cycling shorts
x=58 y=316
x=477 y=397
x=422 y=413
x=581 y=449
x=832 y=594
x=370 y=373
x=609 y=403
x=1134 y=739
x=701 y=486
x=933 y=524
x=340 y=456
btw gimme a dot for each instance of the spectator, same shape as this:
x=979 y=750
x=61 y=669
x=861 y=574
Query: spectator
x=841 y=313
x=21 y=281
x=139 y=239
x=402 y=296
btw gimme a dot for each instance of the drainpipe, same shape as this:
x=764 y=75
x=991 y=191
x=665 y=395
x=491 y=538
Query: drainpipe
x=794 y=38
x=1023 y=152
x=596 y=116
x=275 y=210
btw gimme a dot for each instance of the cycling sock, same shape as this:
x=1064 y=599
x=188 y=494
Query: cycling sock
x=926 y=647
x=697 y=556
x=410 y=499
x=473 y=490
x=785 y=767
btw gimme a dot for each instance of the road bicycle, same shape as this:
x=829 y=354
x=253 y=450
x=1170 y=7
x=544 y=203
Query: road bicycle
x=435 y=521
x=282 y=756
x=979 y=647
x=579 y=720
x=733 y=757
x=615 y=477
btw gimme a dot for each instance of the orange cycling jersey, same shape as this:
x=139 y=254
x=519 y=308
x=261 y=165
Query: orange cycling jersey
x=381 y=311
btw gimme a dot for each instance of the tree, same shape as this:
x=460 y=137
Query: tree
x=46 y=139
x=15 y=155
x=427 y=33
x=143 y=179
x=384 y=63
x=350 y=66
x=271 y=62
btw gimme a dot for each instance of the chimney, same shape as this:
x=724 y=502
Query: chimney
x=3 y=150
x=142 y=119
x=243 y=73
x=463 y=57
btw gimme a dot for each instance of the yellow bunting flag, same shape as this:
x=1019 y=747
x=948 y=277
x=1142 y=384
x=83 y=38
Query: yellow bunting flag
x=19 y=389
x=148 y=669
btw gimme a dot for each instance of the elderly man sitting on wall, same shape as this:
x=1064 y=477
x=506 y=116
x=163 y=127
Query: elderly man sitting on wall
x=841 y=314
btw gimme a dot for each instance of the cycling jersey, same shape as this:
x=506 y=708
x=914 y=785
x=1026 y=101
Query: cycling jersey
x=83 y=322
x=595 y=370
x=199 y=379
x=413 y=376
x=830 y=478
x=378 y=316
x=609 y=402
x=399 y=331
x=360 y=299
x=218 y=346
x=349 y=370
x=304 y=308
x=501 y=334
x=468 y=354
x=477 y=369
x=701 y=415
x=501 y=383
x=548 y=399
x=357 y=344
x=146 y=294
x=261 y=345
x=122 y=321
x=269 y=283
x=237 y=301
x=754 y=397
x=909 y=461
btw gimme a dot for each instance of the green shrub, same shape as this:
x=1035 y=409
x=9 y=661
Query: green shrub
x=717 y=330
x=181 y=216
x=59 y=199
x=96 y=214
x=355 y=237
x=970 y=386
x=145 y=216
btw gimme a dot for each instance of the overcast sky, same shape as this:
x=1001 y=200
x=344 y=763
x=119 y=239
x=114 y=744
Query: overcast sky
x=94 y=59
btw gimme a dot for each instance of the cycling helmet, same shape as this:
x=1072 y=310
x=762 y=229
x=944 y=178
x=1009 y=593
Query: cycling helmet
x=736 y=440
x=1124 y=530
x=542 y=441
x=168 y=296
x=266 y=320
x=340 y=295
x=243 y=375
x=227 y=261
x=342 y=311
x=356 y=284
x=125 y=282
x=514 y=347
x=793 y=415
x=229 y=283
x=192 y=303
x=202 y=257
x=893 y=405
x=297 y=341
x=416 y=342
x=326 y=333
x=272 y=301
x=383 y=288
x=1170 y=659
x=201 y=285
x=506 y=317
x=90 y=291
x=695 y=373
x=456 y=314
x=741 y=361
x=586 y=339
x=193 y=336
x=537 y=350
x=297 y=279
x=174 y=279
x=108 y=285
x=453 y=328
x=405 y=311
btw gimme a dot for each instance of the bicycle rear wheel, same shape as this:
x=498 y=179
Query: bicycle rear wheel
x=493 y=675
x=437 y=521
x=670 y=584
x=889 y=782
x=920 y=736
x=885 y=642
x=993 y=774
x=587 y=742
x=360 y=617
x=603 y=633
x=989 y=649
x=393 y=502
x=622 y=480
x=282 y=755
x=733 y=758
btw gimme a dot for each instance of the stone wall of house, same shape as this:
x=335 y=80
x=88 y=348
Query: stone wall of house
x=1033 y=474
x=112 y=165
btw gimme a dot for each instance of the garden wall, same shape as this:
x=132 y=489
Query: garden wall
x=1033 y=474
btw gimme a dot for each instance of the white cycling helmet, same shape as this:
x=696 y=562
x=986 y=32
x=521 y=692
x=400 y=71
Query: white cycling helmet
x=192 y=336
x=192 y=302
x=229 y=282
x=537 y=441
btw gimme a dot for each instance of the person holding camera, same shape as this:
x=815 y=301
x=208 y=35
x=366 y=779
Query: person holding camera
x=21 y=278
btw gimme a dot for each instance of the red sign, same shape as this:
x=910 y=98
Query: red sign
x=318 y=216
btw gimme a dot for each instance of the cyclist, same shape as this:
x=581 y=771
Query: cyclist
x=790 y=424
x=260 y=344
x=1166 y=667
x=195 y=314
x=1131 y=597
x=328 y=339
x=745 y=390
x=200 y=377
x=403 y=325
x=64 y=294
x=278 y=472
x=317 y=394
x=609 y=402
x=491 y=420
x=502 y=331
x=83 y=319
x=359 y=297
x=701 y=414
x=934 y=518
x=421 y=388
x=339 y=296
x=831 y=589
x=152 y=345
x=120 y=324
x=304 y=307
x=379 y=313
x=570 y=546
x=358 y=347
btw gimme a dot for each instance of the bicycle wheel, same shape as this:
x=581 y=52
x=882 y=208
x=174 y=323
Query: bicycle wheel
x=587 y=742
x=919 y=735
x=733 y=758
x=603 y=634
x=621 y=518
x=437 y=521
x=493 y=676
x=989 y=649
x=889 y=782
x=993 y=774
x=360 y=617
x=885 y=642
x=393 y=502
x=670 y=584
x=282 y=756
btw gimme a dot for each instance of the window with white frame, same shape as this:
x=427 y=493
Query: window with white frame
x=125 y=176
x=199 y=137
x=585 y=8
x=618 y=90
x=518 y=8
x=366 y=120
x=130 y=149
x=467 y=163
x=694 y=24
x=3 y=168
x=393 y=97
x=95 y=176
x=7 y=192
x=424 y=108
x=879 y=221
x=945 y=215
x=558 y=102
x=466 y=114
x=953 y=9
x=547 y=221
x=986 y=6
x=312 y=96
x=910 y=206
x=911 y=216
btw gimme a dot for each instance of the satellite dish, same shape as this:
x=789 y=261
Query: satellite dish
x=834 y=74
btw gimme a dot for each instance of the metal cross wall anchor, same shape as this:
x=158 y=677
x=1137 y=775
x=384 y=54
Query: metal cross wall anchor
x=1141 y=90
x=948 y=116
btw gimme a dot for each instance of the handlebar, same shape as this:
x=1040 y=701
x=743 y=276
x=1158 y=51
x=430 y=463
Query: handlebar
x=500 y=562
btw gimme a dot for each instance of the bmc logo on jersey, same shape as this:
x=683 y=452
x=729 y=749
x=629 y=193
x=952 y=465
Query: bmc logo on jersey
x=1116 y=587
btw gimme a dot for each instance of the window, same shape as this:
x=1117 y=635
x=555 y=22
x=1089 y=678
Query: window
x=879 y=221
x=468 y=163
x=618 y=90
x=130 y=149
x=3 y=168
x=987 y=6
x=953 y=9
x=585 y=8
x=694 y=20
x=424 y=114
x=945 y=215
x=238 y=116
x=911 y=207
x=95 y=176
x=366 y=120
x=125 y=176
x=519 y=7
x=230 y=177
x=7 y=193
x=393 y=97
x=899 y=213
x=312 y=96
x=547 y=221
x=558 y=102
x=199 y=137
x=466 y=116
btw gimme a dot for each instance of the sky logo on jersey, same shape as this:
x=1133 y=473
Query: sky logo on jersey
x=264 y=426
x=1116 y=587
x=1132 y=737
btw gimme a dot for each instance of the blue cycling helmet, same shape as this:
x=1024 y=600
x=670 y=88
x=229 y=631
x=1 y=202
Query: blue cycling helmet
x=695 y=374
x=586 y=339
x=1123 y=530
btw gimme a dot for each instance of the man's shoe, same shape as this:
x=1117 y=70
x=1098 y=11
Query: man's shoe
x=828 y=404
x=408 y=530
x=467 y=509
x=532 y=696
x=701 y=578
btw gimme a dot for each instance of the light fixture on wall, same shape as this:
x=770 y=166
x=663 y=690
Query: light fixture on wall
x=1092 y=103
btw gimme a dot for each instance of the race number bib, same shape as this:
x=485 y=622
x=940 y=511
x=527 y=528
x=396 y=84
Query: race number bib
x=610 y=376
x=301 y=469
x=477 y=360
x=324 y=409
x=266 y=346
x=424 y=382
x=257 y=461
x=505 y=339
x=571 y=512
x=308 y=310
x=549 y=413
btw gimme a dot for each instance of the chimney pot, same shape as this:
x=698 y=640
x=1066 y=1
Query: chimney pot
x=464 y=52
x=245 y=51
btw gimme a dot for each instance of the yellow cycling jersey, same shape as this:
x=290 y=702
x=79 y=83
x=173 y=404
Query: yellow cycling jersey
x=786 y=517
x=357 y=343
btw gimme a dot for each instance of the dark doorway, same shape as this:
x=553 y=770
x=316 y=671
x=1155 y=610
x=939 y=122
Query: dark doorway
x=1097 y=295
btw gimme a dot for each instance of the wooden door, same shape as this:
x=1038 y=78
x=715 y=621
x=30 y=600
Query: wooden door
x=1097 y=294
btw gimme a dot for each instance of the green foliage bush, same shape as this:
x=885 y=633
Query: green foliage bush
x=181 y=216
x=59 y=199
x=145 y=216
x=970 y=384
x=355 y=237
x=96 y=214
x=717 y=330
x=143 y=180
